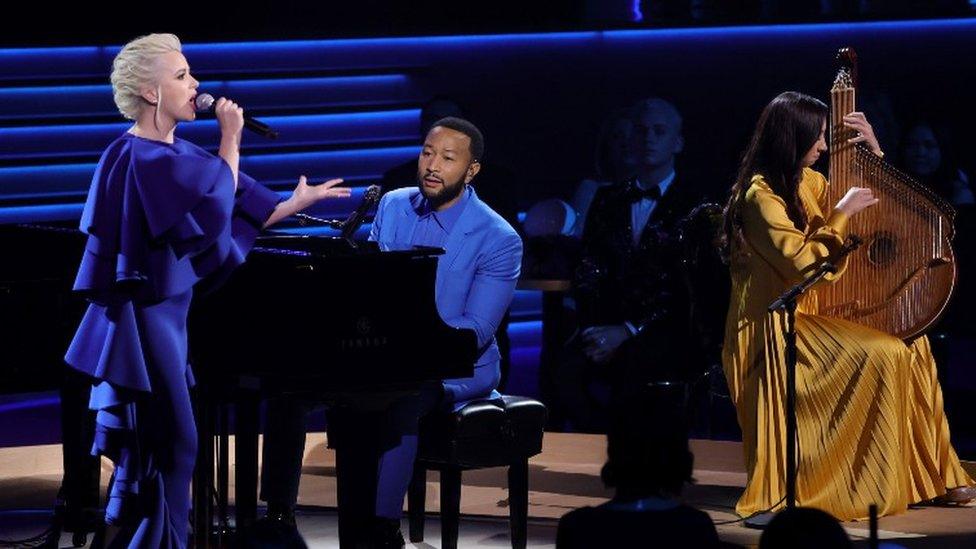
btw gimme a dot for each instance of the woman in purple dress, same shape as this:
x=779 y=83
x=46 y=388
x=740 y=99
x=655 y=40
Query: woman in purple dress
x=162 y=215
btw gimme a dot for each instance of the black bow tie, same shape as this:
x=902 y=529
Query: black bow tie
x=637 y=193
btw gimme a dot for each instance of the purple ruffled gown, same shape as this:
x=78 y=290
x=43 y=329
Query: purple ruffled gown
x=160 y=218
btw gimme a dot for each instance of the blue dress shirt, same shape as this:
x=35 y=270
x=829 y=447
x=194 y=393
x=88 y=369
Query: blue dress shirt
x=433 y=227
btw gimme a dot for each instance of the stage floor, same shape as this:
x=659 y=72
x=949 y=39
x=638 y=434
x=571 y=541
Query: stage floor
x=565 y=476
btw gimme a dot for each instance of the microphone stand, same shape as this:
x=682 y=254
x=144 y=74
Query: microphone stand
x=788 y=302
x=306 y=220
x=346 y=227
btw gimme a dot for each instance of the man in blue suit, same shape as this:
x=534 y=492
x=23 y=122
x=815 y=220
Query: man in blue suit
x=476 y=279
x=476 y=276
x=475 y=283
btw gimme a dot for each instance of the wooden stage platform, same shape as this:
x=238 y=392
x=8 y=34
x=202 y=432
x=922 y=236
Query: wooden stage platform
x=565 y=476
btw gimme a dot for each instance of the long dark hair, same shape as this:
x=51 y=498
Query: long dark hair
x=787 y=129
x=606 y=168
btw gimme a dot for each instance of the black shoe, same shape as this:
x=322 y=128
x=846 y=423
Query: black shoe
x=387 y=534
x=280 y=514
x=267 y=532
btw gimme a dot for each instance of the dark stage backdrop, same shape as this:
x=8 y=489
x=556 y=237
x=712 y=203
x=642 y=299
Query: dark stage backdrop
x=540 y=97
x=348 y=107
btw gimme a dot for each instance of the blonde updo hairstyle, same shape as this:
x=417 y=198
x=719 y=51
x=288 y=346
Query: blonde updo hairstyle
x=134 y=69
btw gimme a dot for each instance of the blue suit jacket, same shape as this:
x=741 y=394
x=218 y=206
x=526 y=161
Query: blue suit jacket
x=476 y=276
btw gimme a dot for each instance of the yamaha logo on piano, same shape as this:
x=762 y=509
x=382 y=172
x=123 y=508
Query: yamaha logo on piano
x=364 y=326
x=366 y=339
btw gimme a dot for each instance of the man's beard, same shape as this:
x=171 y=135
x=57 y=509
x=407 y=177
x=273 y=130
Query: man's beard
x=447 y=192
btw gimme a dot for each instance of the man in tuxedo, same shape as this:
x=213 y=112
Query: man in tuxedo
x=632 y=303
x=475 y=284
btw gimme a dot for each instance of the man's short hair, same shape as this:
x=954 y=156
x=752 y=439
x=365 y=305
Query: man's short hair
x=477 y=146
x=656 y=103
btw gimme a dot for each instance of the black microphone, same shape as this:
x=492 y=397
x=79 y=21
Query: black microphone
x=206 y=102
x=355 y=219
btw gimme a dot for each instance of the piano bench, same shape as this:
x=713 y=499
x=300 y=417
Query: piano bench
x=500 y=432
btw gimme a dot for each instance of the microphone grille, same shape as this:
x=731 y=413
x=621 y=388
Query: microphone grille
x=204 y=102
x=372 y=193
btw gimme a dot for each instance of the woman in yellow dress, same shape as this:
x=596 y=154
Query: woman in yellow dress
x=870 y=421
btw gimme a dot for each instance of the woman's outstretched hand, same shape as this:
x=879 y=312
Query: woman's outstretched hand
x=305 y=195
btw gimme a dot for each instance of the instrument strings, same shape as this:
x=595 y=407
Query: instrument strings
x=898 y=282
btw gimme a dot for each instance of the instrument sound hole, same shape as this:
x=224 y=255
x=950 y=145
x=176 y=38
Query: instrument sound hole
x=883 y=250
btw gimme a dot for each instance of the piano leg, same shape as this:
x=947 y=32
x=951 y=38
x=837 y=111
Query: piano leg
x=82 y=471
x=353 y=436
x=246 y=453
x=203 y=473
x=553 y=340
x=223 y=468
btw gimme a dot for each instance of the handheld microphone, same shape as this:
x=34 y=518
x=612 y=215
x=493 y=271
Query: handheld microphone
x=206 y=102
x=355 y=219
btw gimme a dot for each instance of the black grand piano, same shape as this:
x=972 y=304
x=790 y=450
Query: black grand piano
x=38 y=317
x=346 y=323
x=321 y=316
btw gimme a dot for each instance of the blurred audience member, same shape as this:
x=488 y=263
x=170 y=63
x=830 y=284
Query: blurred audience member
x=550 y=249
x=549 y=218
x=804 y=528
x=631 y=300
x=614 y=163
x=556 y=257
x=926 y=155
x=648 y=464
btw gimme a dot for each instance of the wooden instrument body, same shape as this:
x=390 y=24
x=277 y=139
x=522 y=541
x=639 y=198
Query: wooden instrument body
x=901 y=279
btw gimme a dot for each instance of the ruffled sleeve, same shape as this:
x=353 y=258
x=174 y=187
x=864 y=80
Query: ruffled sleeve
x=162 y=217
x=253 y=205
x=181 y=192
x=771 y=233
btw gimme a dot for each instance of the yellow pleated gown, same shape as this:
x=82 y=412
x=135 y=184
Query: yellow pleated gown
x=870 y=420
